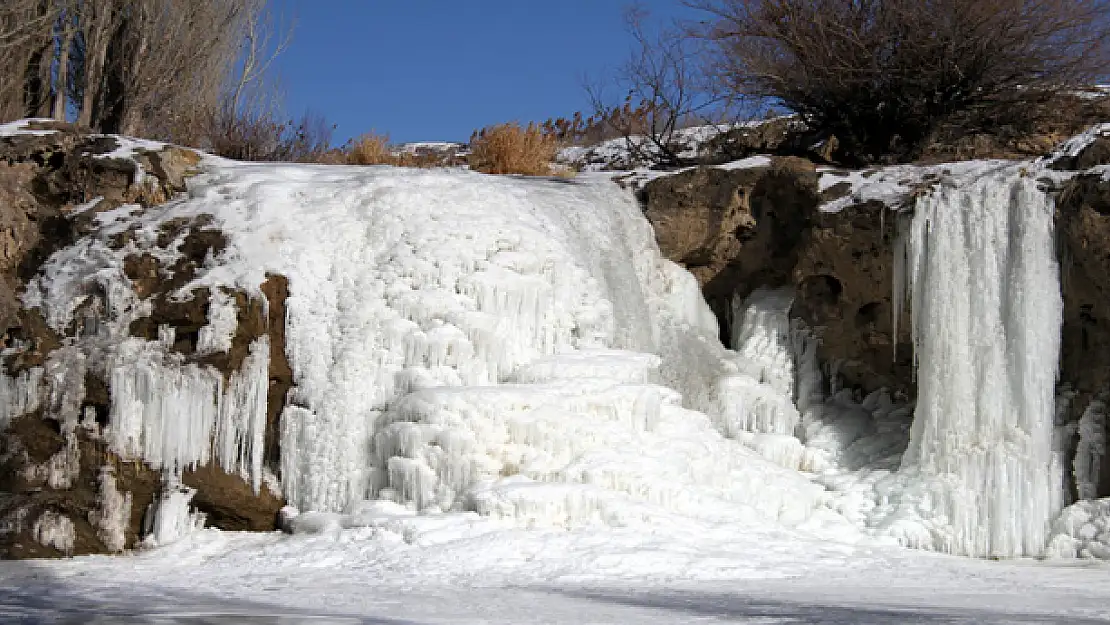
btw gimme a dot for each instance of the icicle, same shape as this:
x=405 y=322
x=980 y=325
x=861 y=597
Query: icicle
x=223 y=321
x=178 y=417
x=19 y=394
x=241 y=425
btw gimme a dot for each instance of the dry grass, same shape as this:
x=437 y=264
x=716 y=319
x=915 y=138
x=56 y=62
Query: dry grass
x=370 y=149
x=375 y=149
x=512 y=149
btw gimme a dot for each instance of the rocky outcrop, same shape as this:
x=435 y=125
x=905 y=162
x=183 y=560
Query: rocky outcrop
x=62 y=487
x=1083 y=230
x=742 y=229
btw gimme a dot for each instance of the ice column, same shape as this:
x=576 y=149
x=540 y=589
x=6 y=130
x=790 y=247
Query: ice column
x=761 y=399
x=984 y=291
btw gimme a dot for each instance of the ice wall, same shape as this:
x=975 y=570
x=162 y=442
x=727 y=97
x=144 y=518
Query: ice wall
x=982 y=279
x=458 y=342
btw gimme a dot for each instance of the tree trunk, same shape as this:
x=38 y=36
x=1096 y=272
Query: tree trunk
x=97 y=32
x=61 y=81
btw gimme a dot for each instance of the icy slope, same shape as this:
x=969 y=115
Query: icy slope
x=459 y=342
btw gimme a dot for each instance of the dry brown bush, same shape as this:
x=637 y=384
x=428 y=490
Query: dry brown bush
x=375 y=149
x=884 y=75
x=369 y=149
x=512 y=149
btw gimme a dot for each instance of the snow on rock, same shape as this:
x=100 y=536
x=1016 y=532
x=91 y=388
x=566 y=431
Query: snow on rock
x=24 y=127
x=980 y=477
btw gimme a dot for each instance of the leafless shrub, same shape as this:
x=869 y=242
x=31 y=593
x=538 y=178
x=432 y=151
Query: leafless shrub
x=665 y=89
x=883 y=75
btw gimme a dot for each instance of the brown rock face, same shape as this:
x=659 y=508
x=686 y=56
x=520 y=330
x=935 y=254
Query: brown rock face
x=844 y=281
x=739 y=230
x=1083 y=226
x=734 y=230
x=48 y=471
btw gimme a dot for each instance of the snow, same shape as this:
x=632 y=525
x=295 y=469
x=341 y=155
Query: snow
x=22 y=127
x=412 y=569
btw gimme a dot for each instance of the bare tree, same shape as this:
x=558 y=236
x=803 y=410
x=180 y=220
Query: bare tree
x=881 y=75
x=131 y=66
x=664 y=87
x=25 y=49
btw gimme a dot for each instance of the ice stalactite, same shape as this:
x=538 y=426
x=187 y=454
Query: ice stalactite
x=19 y=394
x=983 y=285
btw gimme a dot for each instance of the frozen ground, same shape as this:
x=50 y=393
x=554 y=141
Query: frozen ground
x=666 y=575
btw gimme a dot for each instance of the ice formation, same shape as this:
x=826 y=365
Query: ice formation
x=170 y=518
x=980 y=475
x=54 y=530
x=1082 y=530
x=519 y=348
x=113 y=515
x=515 y=347
x=176 y=416
x=1090 y=449
x=765 y=353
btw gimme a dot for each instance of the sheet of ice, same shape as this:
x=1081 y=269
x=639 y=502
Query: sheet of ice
x=980 y=477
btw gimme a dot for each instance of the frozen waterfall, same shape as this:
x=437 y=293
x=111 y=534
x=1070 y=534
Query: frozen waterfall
x=980 y=272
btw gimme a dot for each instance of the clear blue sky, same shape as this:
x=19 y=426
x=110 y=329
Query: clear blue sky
x=437 y=69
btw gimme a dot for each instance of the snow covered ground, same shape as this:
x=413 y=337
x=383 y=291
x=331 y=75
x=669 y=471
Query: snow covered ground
x=476 y=573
